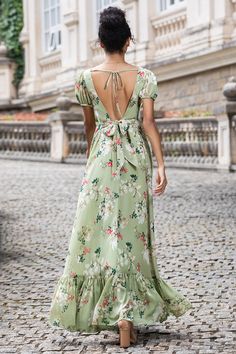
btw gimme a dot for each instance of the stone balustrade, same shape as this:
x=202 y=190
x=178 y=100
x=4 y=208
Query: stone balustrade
x=30 y=140
x=169 y=30
x=200 y=142
x=190 y=141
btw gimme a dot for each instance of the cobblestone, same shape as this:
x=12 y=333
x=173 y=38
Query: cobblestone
x=195 y=242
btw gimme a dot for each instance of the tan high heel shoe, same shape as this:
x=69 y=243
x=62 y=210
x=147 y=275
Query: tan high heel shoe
x=124 y=329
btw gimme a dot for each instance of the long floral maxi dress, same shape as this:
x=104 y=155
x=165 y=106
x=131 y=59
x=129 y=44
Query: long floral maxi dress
x=111 y=268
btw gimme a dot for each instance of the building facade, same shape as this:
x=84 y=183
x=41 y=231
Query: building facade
x=189 y=44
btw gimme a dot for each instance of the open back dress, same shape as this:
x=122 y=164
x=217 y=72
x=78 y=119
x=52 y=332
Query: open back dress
x=111 y=269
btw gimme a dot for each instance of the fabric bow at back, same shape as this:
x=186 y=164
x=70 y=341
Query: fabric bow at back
x=122 y=150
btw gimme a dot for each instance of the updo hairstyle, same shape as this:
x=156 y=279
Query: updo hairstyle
x=113 y=29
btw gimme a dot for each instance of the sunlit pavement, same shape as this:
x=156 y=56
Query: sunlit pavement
x=195 y=224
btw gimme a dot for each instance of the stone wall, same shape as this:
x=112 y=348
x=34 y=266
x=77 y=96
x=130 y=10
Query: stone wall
x=197 y=92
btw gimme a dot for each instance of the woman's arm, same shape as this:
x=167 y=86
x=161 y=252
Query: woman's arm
x=152 y=132
x=90 y=125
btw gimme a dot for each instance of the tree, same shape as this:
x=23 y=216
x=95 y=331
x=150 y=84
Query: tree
x=11 y=23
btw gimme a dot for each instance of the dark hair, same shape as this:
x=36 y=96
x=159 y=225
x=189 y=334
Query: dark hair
x=113 y=29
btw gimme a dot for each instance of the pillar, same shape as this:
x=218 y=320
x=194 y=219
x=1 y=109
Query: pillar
x=31 y=40
x=230 y=94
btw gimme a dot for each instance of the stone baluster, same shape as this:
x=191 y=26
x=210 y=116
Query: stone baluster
x=229 y=92
x=58 y=121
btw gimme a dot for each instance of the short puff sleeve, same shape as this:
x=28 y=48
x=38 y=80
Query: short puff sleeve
x=81 y=91
x=150 y=88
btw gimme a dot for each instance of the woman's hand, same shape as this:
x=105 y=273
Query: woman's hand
x=161 y=181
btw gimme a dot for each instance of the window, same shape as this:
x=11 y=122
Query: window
x=169 y=4
x=51 y=25
x=101 y=5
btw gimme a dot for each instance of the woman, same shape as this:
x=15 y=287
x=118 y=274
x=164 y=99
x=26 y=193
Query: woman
x=111 y=277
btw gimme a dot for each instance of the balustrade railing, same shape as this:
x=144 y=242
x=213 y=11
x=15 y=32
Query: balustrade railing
x=201 y=142
x=77 y=142
x=30 y=140
x=190 y=141
x=185 y=141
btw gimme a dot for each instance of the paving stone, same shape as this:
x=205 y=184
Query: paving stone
x=195 y=223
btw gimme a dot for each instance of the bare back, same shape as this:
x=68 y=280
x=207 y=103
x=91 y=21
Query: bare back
x=114 y=89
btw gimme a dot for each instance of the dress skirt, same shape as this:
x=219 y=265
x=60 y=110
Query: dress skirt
x=111 y=269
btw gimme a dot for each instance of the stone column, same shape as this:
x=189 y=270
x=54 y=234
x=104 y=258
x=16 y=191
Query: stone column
x=145 y=47
x=223 y=143
x=84 y=18
x=197 y=34
x=131 y=9
x=58 y=121
x=230 y=94
x=222 y=24
x=30 y=39
x=70 y=42
x=233 y=18
x=7 y=67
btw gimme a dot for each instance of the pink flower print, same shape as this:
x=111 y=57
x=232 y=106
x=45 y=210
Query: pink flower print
x=142 y=237
x=73 y=274
x=86 y=250
x=77 y=85
x=145 y=195
x=106 y=266
x=70 y=297
x=146 y=302
x=84 y=301
x=124 y=169
x=141 y=73
x=107 y=190
x=138 y=267
x=114 y=174
x=109 y=163
x=133 y=151
x=85 y=181
x=105 y=302
x=119 y=236
x=109 y=231
x=108 y=133
x=118 y=141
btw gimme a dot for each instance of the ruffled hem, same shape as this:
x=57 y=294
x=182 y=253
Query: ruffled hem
x=94 y=303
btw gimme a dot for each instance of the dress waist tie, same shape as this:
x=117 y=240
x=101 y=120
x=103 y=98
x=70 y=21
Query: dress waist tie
x=122 y=146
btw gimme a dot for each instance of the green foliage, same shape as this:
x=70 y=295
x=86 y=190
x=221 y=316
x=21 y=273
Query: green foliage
x=11 y=23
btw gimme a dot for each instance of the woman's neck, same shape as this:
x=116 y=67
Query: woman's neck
x=114 y=59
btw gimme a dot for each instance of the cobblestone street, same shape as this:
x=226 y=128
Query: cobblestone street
x=195 y=224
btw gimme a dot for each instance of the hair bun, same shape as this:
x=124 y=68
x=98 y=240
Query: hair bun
x=111 y=23
x=113 y=29
x=112 y=18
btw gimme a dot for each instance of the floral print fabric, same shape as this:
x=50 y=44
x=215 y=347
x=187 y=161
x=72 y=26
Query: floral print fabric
x=111 y=267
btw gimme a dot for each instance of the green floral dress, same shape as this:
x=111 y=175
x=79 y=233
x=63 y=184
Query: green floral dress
x=111 y=268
